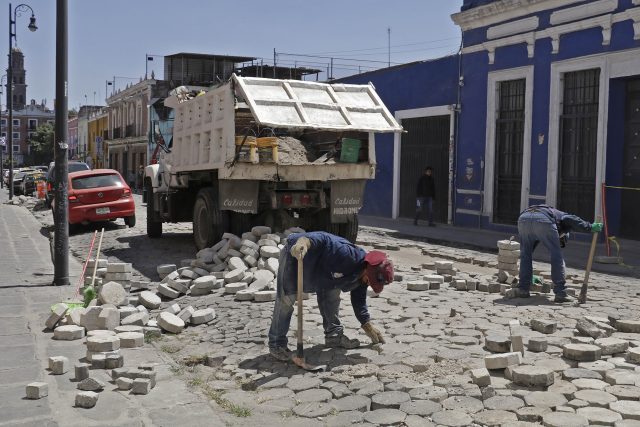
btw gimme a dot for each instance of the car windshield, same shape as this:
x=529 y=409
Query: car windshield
x=71 y=167
x=95 y=181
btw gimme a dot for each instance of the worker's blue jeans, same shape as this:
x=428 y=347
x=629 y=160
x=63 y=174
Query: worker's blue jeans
x=424 y=204
x=328 y=304
x=534 y=228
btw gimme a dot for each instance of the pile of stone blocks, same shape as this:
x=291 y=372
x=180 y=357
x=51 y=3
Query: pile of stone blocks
x=508 y=261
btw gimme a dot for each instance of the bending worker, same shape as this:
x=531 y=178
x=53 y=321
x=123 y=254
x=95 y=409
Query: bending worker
x=331 y=265
x=541 y=223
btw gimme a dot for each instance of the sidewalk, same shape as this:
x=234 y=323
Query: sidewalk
x=575 y=254
x=26 y=295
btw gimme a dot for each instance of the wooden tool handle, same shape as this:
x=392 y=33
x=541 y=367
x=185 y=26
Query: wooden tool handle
x=95 y=264
x=299 y=349
x=585 y=283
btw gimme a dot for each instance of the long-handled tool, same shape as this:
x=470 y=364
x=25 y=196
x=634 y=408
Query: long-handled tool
x=298 y=359
x=89 y=291
x=585 y=283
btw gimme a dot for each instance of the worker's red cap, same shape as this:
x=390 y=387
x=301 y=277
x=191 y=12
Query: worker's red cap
x=379 y=270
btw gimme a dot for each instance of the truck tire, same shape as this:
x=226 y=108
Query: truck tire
x=154 y=227
x=209 y=222
x=349 y=229
x=240 y=223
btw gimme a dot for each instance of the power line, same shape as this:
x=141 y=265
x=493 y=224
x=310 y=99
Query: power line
x=386 y=47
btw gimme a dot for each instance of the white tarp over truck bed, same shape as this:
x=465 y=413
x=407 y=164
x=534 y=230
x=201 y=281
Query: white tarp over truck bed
x=311 y=105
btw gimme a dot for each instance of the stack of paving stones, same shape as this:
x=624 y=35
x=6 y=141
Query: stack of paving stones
x=508 y=261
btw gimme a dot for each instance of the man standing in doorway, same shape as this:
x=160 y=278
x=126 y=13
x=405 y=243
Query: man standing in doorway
x=425 y=195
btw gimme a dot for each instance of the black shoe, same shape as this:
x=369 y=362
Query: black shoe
x=563 y=299
x=520 y=293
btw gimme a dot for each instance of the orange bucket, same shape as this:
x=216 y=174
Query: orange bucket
x=41 y=187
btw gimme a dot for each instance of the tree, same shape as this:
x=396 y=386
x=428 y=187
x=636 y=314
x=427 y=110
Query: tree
x=42 y=144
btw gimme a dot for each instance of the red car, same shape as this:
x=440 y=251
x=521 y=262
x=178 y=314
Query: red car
x=100 y=195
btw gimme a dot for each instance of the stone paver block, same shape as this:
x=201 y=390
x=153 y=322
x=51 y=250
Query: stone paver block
x=422 y=408
x=418 y=285
x=58 y=365
x=632 y=326
x=494 y=417
x=136 y=319
x=149 y=299
x=481 y=377
x=81 y=371
x=544 y=326
x=141 y=386
x=545 y=399
x=577 y=373
x=112 y=293
x=86 y=399
x=599 y=416
x=624 y=392
x=314 y=395
x=466 y=404
x=633 y=356
x=170 y=323
x=91 y=384
x=527 y=375
x=68 y=332
x=621 y=377
x=264 y=296
x=131 y=339
x=564 y=419
x=503 y=403
x=498 y=344
x=313 y=409
x=37 y=390
x=597 y=398
x=124 y=383
x=300 y=383
x=352 y=403
x=389 y=399
x=202 y=316
x=582 y=352
x=599 y=366
x=502 y=360
x=627 y=408
x=387 y=417
x=612 y=345
x=589 y=384
x=531 y=414
x=108 y=318
x=186 y=313
x=166 y=291
x=119 y=267
x=537 y=345
x=57 y=313
x=103 y=343
x=451 y=418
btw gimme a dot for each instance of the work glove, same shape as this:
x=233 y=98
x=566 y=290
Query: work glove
x=537 y=280
x=299 y=250
x=373 y=333
x=596 y=227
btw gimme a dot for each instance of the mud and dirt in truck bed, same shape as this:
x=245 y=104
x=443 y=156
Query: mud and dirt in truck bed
x=293 y=151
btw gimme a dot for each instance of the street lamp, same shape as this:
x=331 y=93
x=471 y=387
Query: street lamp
x=3 y=81
x=21 y=8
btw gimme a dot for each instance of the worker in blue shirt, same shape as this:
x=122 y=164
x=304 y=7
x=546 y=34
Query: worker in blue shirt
x=541 y=223
x=331 y=265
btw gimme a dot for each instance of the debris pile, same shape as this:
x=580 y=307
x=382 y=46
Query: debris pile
x=508 y=261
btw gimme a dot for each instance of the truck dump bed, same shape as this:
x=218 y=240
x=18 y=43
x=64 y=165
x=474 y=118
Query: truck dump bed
x=234 y=128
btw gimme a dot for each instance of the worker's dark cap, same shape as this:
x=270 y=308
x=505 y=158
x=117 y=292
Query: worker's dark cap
x=379 y=270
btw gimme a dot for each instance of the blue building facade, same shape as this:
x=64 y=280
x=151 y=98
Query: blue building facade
x=543 y=106
x=550 y=110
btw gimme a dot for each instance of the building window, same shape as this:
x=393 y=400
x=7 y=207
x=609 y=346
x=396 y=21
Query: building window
x=16 y=148
x=33 y=124
x=4 y=122
x=15 y=135
x=509 y=150
x=16 y=122
x=31 y=135
x=578 y=142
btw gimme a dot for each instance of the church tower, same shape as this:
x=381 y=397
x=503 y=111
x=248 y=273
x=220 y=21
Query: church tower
x=19 y=83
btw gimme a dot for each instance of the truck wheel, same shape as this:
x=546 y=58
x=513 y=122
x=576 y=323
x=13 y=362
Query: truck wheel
x=154 y=227
x=209 y=222
x=130 y=221
x=349 y=229
x=240 y=223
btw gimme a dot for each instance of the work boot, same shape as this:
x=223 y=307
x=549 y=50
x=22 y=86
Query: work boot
x=341 y=341
x=562 y=299
x=282 y=354
x=520 y=293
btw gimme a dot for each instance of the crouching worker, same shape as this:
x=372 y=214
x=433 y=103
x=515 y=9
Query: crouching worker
x=331 y=265
x=551 y=227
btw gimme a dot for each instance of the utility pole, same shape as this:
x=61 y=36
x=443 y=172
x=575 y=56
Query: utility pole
x=274 y=62
x=389 y=46
x=61 y=212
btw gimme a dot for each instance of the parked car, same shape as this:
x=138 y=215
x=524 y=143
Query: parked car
x=99 y=195
x=42 y=168
x=73 y=166
x=30 y=182
x=17 y=180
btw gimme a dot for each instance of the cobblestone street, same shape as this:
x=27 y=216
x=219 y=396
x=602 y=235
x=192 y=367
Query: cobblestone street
x=430 y=371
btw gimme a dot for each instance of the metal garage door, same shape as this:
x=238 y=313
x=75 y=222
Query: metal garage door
x=425 y=143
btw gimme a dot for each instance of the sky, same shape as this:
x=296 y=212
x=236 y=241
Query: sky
x=110 y=38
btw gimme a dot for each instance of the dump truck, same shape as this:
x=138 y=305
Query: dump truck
x=256 y=151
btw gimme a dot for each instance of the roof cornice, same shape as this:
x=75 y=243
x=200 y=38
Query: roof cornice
x=504 y=10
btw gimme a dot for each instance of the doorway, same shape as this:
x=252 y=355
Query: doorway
x=425 y=143
x=629 y=224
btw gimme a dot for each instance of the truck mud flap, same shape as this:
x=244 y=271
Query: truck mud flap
x=238 y=196
x=346 y=199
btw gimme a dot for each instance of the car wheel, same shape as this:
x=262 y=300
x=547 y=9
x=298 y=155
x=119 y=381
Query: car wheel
x=130 y=221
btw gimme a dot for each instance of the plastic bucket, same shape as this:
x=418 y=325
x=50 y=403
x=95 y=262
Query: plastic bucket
x=350 y=151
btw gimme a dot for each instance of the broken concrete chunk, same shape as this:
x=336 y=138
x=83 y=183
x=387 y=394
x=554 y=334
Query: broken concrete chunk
x=68 y=333
x=91 y=384
x=58 y=365
x=544 y=326
x=37 y=390
x=170 y=323
x=57 y=313
x=581 y=352
x=149 y=300
x=86 y=399
x=202 y=316
x=103 y=343
x=501 y=361
x=131 y=339
x=112 y=293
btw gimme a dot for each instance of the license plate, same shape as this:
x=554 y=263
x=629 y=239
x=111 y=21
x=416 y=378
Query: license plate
x=102 y=211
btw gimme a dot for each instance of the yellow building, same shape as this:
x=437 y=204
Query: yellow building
x=98 y=132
